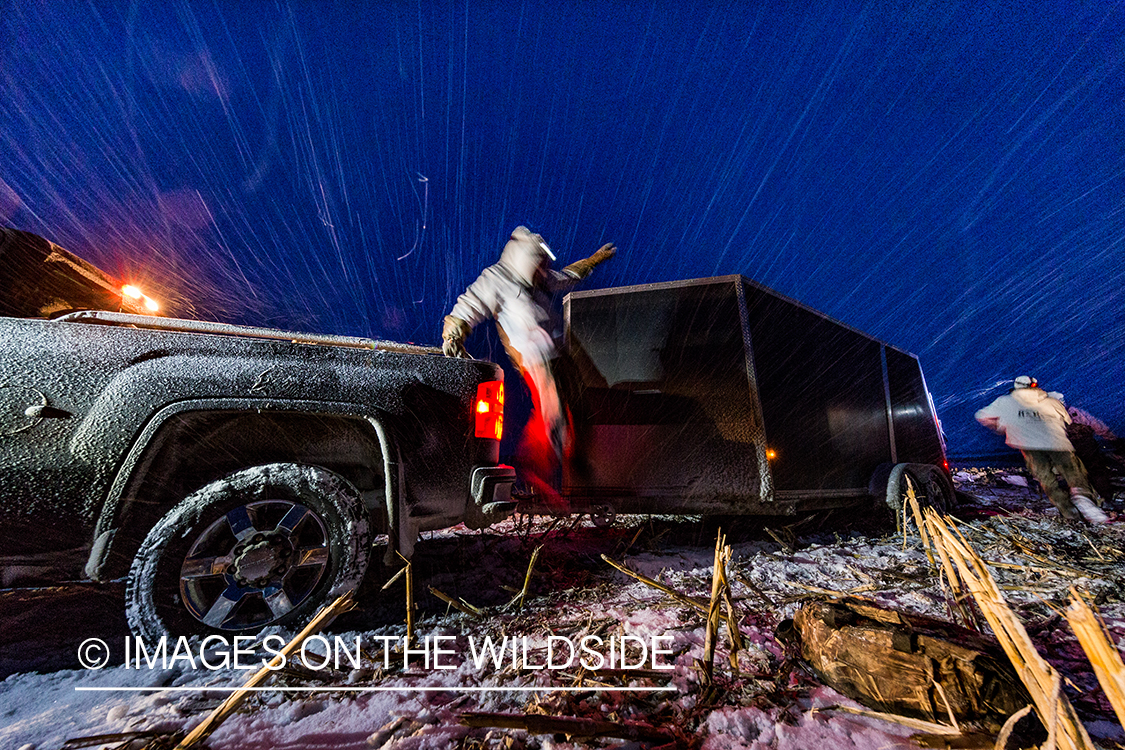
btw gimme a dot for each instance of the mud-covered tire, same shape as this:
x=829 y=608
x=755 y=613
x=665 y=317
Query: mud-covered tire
x=932 y=488
x=268 y=545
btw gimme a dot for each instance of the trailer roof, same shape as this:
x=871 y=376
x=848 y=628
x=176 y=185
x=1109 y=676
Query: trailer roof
x=730 y=279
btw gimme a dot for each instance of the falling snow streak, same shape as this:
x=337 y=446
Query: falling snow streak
x=945 y=176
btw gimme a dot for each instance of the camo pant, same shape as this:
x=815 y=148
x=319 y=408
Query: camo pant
x=1044 y=464
x=553 y=445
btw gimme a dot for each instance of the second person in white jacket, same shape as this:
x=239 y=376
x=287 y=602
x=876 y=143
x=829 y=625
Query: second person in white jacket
x=1035 y=424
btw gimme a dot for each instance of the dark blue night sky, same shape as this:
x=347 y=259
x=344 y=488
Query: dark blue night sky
x=948 y=177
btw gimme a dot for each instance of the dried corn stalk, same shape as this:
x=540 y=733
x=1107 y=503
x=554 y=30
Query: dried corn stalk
x=713 y=611
x=322 y=619
x=1099 y=648
x=699 y=606
x=916 y=511
x=933 y=550
x=720 y=594
x=408 y=571
x=461 y=605
x=1040 y=679
x=517 y=600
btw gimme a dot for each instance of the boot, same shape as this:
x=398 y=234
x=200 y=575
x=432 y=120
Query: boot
x=1066 y=508
x=1091 y=512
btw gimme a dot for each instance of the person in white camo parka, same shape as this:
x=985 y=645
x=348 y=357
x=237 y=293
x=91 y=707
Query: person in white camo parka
x=1035 y=424
x=518 y=292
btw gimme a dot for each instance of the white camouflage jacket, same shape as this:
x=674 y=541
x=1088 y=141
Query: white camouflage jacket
x=1028 y=419
x=524 y=313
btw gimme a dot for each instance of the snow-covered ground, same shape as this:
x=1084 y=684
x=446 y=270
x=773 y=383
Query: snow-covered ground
x=772 y=703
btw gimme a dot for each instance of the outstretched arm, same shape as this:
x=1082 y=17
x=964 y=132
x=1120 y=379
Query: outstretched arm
x=581 y=269
x=988 y=418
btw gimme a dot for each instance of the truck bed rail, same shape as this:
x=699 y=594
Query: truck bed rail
x=225 y=329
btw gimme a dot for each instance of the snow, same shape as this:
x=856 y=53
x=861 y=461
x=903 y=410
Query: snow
x=757 y=729
x=381 y=704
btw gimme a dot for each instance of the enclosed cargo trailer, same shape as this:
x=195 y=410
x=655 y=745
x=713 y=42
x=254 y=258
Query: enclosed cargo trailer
x=722 y=396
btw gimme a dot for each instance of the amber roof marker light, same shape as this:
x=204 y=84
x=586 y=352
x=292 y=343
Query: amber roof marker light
x=134 y=292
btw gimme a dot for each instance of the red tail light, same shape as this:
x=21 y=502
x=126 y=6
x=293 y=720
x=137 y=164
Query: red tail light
x=488 y=411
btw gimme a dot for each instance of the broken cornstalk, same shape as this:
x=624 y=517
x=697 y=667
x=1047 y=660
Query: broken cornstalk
x=713 y=611
x=323 y=618
x=931 y=550
x=1099 y=648
x=920 y=725
x=916 y=511
x=408 y=571
x=393 y=579
x=460 y=605
x=522 y=594
x=1009 y=727
x=731 y=619
x=681 y=598
x=1039 y=677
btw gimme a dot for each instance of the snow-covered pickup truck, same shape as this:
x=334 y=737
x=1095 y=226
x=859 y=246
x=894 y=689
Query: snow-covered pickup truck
x=238 y=476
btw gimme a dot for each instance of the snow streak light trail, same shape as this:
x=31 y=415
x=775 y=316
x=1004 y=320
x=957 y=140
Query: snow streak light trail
x=945 y=176
x=375 y=689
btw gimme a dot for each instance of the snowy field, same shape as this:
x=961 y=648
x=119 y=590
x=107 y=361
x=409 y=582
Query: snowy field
x=773 y=701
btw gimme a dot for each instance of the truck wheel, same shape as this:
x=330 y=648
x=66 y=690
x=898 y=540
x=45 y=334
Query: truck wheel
x=268 y=545
x=931 y=487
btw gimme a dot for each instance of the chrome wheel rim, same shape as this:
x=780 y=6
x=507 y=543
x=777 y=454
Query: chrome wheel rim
x=254 y=565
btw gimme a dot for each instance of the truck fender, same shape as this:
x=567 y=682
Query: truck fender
x=109 y=518
x=401 y=533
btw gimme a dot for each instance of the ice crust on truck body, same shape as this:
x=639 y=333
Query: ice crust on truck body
x=109 y=420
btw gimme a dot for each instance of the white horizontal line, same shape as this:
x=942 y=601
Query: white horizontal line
x=359 y=689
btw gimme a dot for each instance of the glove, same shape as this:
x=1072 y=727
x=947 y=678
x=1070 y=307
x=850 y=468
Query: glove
x=453 y=333
x=582 y=268
x=604 y=253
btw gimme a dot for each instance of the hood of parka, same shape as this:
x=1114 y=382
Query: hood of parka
x=526 y=255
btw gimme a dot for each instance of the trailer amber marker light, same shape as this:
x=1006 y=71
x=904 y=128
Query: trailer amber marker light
x=489 y=410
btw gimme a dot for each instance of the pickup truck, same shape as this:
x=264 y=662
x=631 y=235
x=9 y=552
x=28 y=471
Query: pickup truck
x=236 y=476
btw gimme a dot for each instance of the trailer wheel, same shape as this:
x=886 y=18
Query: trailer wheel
x=932 y=488
x=603 y=516
x=268 y=545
